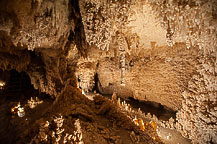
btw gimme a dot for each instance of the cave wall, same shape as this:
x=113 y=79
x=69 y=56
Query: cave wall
x=36 y=37
x=169 y=56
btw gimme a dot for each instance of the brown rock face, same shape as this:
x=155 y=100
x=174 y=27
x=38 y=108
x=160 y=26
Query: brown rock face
x=35 y=39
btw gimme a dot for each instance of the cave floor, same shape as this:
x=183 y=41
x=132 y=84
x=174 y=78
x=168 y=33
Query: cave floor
x=100 y=121
x=11 y=124
x=166 y=135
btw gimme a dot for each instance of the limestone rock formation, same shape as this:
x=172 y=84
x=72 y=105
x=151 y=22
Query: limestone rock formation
x=34 y=40
x=156 y=51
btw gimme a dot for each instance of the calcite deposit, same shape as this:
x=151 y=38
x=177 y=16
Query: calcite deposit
x=161 y=52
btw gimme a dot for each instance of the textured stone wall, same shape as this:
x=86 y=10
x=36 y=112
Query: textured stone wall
x=181 y=76
x=197 y=117
x=35 y=39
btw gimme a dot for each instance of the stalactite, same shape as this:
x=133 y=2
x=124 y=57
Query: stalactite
x=102 y=19
x=121 y=41
x=191 y=21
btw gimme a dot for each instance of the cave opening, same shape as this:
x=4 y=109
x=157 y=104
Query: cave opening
x=17 y=86
x=17 y=99
x=96 y=84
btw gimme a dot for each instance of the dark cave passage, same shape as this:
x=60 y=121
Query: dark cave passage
x=96 y=84
x=162 y=112
x=17 y=89
x=18 y=86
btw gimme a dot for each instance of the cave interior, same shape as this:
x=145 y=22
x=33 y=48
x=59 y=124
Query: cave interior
x=108 y=72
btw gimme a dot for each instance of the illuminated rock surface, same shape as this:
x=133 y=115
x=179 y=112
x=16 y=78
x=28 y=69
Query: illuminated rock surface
x=161 y=52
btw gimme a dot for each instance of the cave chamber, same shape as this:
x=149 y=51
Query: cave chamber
x=98 y=72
